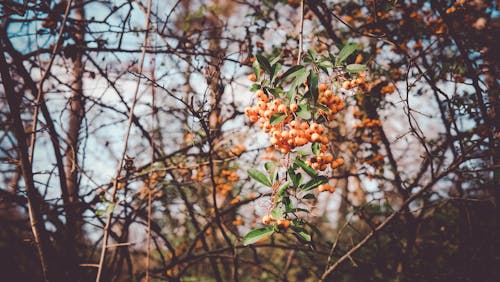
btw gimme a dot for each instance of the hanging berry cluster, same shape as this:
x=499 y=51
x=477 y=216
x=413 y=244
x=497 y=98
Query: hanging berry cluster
x=294 y=109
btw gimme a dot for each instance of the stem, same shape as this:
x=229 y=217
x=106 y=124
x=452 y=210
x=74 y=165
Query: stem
x=301 y=34
x=122 y=158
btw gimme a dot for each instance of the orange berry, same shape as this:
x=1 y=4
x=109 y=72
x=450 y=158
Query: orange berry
x=281 y=108
x=283 y=223
x=294 y=107
x=315 y=137
x=322 y=87
x=252 y=77
x=267 y=219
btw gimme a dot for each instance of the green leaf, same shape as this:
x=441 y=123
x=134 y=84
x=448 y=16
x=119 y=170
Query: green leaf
x=276 y=69
x=257 y=235
x=275 y=60
x=304 y=235
x=300 y=77
x=309 y=170
x=313 y=85
x=346 y=52
x=315 y=182
x=309 y=197
x=256 y=69
x=277 y=118
x=312 y=54
x=269 y=166
x=292 y=72
x=326 y=64
x=282 y=188
x=304 y=112
x=315 y=148
x=264 y=63
x=259 y=176
x=355 y=68
x=277 y=212
x=255 y=87
x=302 y=153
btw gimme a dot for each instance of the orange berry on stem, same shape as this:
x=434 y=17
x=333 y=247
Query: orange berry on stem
x=252 y=77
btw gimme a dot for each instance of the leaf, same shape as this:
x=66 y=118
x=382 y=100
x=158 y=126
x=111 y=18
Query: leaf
x=313 y=85
x=256 y=69
x=277 y=213
x=309 y=170
x=255 y=87
x=326 y=64
x=315 y=182
x=293 y=72
x=282 y=188
x=264 y=63
x=269 y=166
x=304 y=235
x=277 y=118
x=312 y=54
x=294 y=177
x=355 y=68
x=346 y=52
x=259 y=176
x=275 y=60
x=315 y=148
x=309 y=197
x=304 y=112
x=257 y=235
x=276 y=69
x=300 y=77
x=302 y=153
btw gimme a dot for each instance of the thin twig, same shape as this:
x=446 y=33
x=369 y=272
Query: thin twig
x=122 y=158
x=301 y=34
x=39 y=95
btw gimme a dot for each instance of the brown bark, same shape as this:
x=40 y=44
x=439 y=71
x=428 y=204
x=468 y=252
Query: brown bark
x=76 y=114
x=34 y=200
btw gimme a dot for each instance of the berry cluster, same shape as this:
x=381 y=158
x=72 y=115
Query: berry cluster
x=332 y=102
x=368 y=123
x=326 y=187
x=321 y=161
x=291 y=132
x=281 y=223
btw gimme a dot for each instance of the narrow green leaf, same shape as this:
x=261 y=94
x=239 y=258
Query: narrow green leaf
x=276 y=69
x=259 y=176
x=313 y=85
x=257 y=234
x=300 y=77
x=282 y=188
x=309 y=170
x=256 y=69
x=309 y=197
x=304 y=111
x=292 y=72
x=277 y=118
x=302 y=153
x=255 y=87
x=315 y=148
x=312 y=54
x=264 y=63
x=346 y=52
x=275 y=60
x=315 y=182
x=277 y=212
x=304 y=236
x=269 y=166
x=355 y=68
